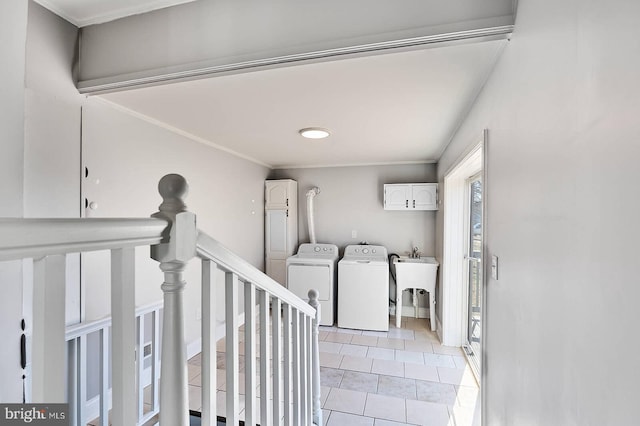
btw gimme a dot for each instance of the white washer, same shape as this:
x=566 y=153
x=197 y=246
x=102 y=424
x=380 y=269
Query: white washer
x=363 y=288
x=315 y=266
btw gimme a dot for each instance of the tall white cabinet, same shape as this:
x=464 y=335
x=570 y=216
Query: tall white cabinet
x=281 y=226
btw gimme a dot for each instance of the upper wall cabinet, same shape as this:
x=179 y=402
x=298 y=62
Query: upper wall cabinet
x=280 y=193
x=411 y=196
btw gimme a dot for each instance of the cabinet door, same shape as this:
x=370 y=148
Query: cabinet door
x=424 y=196
x=397 y=197
x=276 y=234
x=277 y=270
x=277 y=194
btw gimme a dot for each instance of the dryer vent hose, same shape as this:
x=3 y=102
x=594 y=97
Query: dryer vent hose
x=310 y=219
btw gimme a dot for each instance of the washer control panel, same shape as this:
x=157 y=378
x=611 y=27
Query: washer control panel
x=362 y=251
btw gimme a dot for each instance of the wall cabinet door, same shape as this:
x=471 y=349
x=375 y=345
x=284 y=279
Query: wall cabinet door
x=424 y=196
x=396 y=197
x=278 y=193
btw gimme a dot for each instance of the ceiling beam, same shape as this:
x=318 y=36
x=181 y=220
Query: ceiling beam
x=167 y=75
x=207 y=38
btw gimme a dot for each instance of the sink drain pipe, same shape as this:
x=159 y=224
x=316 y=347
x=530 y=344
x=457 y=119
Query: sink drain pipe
x=392 y=270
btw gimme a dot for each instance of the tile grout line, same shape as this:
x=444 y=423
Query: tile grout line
x=364 y=409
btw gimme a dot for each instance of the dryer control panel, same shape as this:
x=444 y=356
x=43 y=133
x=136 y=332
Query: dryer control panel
x=317 y=249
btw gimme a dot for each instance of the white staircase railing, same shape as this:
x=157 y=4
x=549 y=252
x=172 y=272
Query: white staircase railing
x=174 y=241
x=85 y=408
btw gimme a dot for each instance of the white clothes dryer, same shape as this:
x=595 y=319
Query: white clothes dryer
x=363 y=288
x=315 y=267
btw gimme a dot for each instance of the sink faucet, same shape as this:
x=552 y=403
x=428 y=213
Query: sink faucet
x=415 y=254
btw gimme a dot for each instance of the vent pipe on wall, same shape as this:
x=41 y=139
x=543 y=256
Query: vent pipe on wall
x=312 y=230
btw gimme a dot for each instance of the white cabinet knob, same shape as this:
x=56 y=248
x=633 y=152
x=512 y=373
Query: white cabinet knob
x=93 y=205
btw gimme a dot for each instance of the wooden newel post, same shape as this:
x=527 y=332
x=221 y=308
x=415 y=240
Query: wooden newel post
x=315 y=359
x=174 y=252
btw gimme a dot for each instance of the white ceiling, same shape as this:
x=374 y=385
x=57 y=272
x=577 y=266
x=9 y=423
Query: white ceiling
x=385 y=109
x=88 y=12
x=389 y=108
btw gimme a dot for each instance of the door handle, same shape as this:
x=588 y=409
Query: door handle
x=23 y=346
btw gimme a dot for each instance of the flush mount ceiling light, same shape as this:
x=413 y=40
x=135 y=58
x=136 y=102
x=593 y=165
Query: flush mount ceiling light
x=314 y=133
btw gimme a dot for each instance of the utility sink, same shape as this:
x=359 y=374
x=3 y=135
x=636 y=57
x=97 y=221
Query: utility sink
x=416 y=273
x=415 y=260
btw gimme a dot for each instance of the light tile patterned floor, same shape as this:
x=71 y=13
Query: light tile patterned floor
x=400 y=377
x=405 y=377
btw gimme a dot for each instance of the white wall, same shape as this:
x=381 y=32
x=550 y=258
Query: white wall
x=13 y=33
x=128 y=156
x=52 y=118
x=351 y=198
x=563 y=153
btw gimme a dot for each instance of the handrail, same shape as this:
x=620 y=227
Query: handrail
x=209 y=248
x=33 y=238
x=83 y=328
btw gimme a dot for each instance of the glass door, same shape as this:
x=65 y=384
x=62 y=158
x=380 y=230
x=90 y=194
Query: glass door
x=475 y=276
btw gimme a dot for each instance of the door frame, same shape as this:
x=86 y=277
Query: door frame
x=454 y=265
